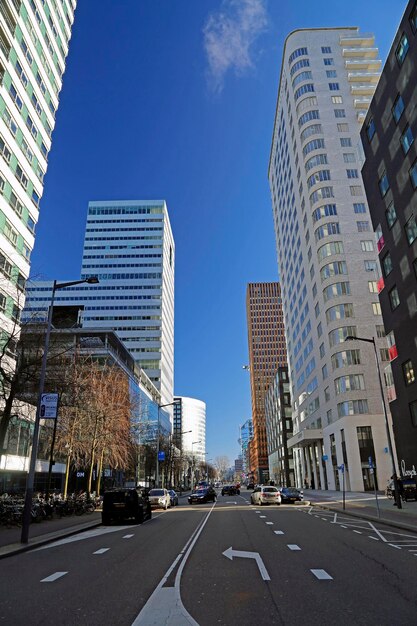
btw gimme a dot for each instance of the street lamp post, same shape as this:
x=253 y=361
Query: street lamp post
x=390 y=447
x=160 y=406
x=192 y=461
x=34 y=453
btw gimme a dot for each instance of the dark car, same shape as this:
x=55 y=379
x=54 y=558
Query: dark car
x=291 y=494
x=174 y=497
x=206 y=494
x=230 y=490
x=251 y=486
x=122 y=504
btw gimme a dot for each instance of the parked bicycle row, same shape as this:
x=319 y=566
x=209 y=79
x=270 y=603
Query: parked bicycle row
x=55 y=506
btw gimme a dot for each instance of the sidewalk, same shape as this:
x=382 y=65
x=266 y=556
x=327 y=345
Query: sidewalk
x=364 y=505
x=49 y=530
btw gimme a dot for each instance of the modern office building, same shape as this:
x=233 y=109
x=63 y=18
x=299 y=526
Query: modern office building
x=390 y=178
x=267 y=352
x=245 y=436
x=327 y=257
x=130 y=247
x=189 y=431
x=34 y=38
x=278 y=414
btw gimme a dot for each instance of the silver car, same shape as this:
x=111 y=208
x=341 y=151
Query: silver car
x=265 y=495
x=159 y=498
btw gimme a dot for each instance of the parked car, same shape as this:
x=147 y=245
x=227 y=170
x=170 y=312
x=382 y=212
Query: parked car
x=230 y=490
x=265 y=495
x=122 y=504
x=291 y=494
x=174 y=497
x=159 y=498
x=251 y=486
x=206 y=494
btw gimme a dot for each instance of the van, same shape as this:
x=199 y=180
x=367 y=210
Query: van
x=122 y=504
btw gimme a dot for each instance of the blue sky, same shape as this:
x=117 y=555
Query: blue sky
x=175 y=100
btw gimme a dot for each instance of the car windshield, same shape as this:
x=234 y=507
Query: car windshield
x=270 y=489
x=172 y=492
x=156 y=492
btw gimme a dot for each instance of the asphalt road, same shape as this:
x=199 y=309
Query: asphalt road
x=303 y=567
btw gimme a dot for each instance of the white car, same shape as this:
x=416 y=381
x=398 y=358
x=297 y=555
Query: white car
x=265 y=495
x=159 y=498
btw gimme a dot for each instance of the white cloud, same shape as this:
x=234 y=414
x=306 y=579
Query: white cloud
x=229 y=35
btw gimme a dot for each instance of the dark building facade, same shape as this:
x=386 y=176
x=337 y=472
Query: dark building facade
x=390 y=178
x=279 y=429
x=267 y=352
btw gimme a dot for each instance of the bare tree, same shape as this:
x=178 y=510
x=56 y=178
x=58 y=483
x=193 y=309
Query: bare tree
x=222 y=464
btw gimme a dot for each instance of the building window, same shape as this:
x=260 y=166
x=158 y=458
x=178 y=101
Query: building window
x=387 y=264
x=367 y=246
x=349 y=157
x=326 y=50
x=355 y=190
x=334 y=86
x=402 y=49
x=383 y=184
x=398 y=108
x=372 y=286
x=313 y=129
x=359 y=207
x=315 y=161
x=303 y=89
x=352 y=173
x=376 y=308
x=307 y=117
x=318 y=177
x=408 y=371
x=370 y=129
x=322 y=350
x=328 y=61
x=301 y=77
x=406 y=139
x=394 y=298
x=326 y=210
x=415 y=267
x=300 y=64
x=352 y=407
x=391 y=215
x=346 y=142
x=411 y=230
x=413 y=174
x=339 y=113
x=370 y=266
x=331 y=74
x=297 y=53
x=363 y=227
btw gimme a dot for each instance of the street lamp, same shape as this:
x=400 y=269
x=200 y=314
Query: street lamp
x=390 y=448
x=160 y=406
x=31 y=475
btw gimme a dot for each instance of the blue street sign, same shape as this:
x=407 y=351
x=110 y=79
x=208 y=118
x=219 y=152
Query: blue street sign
x=342 y=468
x=371 y=465
x=161 y=456
x=325 y=457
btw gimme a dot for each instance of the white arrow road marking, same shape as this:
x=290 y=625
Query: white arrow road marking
x=53 y=577
x=230 y=553
x=101 y=551
x=321 y=574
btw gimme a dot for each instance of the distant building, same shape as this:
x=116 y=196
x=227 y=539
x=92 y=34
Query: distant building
x=267 y=352
x=279 y=429
x=390 y=178
x=190 y=427
x=130 y=247
x=246 y=434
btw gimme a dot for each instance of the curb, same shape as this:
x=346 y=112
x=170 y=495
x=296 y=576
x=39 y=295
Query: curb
x=17 y=548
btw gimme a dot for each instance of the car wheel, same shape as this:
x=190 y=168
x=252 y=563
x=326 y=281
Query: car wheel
x=139 y=517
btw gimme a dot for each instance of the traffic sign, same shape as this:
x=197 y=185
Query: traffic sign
x=161 y=456
x=49 y=405
x=371 y=465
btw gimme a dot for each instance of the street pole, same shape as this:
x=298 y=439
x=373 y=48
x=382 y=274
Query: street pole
x=27 y=509
x=157 y=453
x=51 y=458
x=390 y=447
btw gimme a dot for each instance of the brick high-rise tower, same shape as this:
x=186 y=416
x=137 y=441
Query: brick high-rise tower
x=267 y=352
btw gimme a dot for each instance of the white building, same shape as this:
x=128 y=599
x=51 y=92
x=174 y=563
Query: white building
x=327 y=257
x=130 y=247
x=34 y=37
x=190 y=426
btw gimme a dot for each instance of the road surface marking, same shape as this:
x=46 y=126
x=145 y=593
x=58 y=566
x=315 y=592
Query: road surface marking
x=293 y=546
x=269 y=523
x=324 y=518
x=127 y=536
x=393 y=546
x=341 y=526
x=101 y=551
x=321 y=574
x=53 y=577
x=279 y=532
x=358 y=532
x=375 y=538
x=230 y=553
x=228 y=502
x=262 y=516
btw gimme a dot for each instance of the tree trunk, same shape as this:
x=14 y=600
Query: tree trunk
x=5 y=420
x=99 y=471
x=67 y=471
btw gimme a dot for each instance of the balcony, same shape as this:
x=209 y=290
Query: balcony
x=363 y=64
x=365 y=53
x=362 y=90
x=8 y=17
x=362 y=103
x=365 y=39
x=380 y=243
x=392 y=351
x=367 y=77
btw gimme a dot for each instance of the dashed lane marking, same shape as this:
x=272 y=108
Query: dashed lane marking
x=53 y=577
x=293 y=546
x=262 y=516
x=375 y=538
x=269 y=523
x=279 y=532
x=101 y=551
x=321 y=574
x=394 y=546
x=127 y=536
x=358 y=532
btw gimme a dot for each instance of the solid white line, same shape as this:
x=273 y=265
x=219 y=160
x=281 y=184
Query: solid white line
x=269 y=523
x=101 y=551
x=358 y=532
x=53 y=577
x=393 y=546
x=375 y=538
x=127 y=536
x=321 y=574
x=278 y=532
x=293 y=546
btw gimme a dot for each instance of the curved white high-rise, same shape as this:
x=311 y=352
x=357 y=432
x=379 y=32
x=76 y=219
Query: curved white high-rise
x=190 y=426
